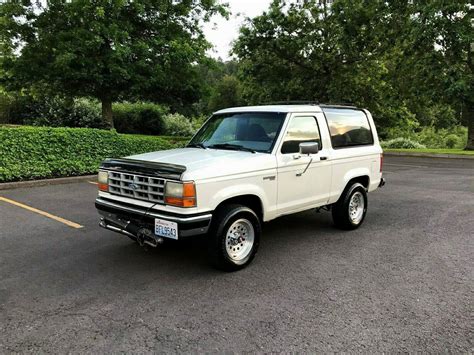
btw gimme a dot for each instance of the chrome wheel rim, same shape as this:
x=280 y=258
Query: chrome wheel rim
x=239 y=239
x=356 y=207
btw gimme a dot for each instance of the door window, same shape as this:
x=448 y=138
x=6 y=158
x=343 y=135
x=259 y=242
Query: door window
x=301 y=129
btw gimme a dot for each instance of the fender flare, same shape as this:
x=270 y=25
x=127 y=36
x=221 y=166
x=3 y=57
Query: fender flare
x=240 y=190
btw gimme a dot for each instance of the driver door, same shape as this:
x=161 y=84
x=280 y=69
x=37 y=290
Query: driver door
x=299 y=189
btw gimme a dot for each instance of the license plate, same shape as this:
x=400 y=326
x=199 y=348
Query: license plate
x=166 y=229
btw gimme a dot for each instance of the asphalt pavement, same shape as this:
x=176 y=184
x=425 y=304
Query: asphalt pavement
x=403 y=282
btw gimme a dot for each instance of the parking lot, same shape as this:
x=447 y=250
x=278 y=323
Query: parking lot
x=402 y=282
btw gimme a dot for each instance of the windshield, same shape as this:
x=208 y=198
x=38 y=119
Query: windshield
x=250 y=131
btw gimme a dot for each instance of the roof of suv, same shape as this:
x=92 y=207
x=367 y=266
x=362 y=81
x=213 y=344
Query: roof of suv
x=281 y=108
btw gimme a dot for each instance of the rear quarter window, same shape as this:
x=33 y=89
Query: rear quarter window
x=348 y=127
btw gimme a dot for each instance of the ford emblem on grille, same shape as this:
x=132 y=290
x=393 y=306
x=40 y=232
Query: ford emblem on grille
x=133 y=186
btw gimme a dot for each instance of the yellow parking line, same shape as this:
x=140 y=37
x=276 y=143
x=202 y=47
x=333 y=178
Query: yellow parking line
x=43 y=213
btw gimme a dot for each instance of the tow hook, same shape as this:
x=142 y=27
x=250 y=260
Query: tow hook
x=146 y=237
x=142 y=235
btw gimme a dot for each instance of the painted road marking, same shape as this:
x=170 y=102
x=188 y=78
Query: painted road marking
x=92 y=182
x=43 y=213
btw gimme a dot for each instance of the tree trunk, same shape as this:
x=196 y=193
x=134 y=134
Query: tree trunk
x=470 y=102
x=107 y=115
x=470 y=126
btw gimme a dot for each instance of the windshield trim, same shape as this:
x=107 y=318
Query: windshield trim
x=275 y=140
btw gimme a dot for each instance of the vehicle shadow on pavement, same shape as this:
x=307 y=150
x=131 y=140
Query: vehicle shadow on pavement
x=189 y=256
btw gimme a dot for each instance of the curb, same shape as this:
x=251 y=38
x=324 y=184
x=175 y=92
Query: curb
x=46 y=182
x=428 y=155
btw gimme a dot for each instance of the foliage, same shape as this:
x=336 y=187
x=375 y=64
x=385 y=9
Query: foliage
x=434 y=151
x=454 y=137
x=198 y=121
x=212 y=73
x=176 y=141
x=110 y=50
x=135 y=118
x=178 y=125
x=41 y=152
x=452 y=141
x=140 y=118
x=404 y=143
x=5 y=105
x=407 y=62
x=55 y=112
x=227 y=93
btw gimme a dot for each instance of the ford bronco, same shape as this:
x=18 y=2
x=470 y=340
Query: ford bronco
x=245 y=166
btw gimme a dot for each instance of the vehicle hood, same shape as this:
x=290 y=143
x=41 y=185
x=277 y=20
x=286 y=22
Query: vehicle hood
x=210 y=163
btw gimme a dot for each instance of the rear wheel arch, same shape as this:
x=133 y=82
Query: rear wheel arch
x=364 y=180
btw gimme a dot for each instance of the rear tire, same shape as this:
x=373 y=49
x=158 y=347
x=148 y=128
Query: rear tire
x=234 y=237
x=349 y=211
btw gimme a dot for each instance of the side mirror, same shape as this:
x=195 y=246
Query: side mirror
x=309 y=148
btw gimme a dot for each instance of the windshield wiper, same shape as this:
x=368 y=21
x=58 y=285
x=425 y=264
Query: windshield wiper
x=232 y=147
x=196 y=145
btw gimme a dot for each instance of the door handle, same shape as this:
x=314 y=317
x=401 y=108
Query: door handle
x=323 y=158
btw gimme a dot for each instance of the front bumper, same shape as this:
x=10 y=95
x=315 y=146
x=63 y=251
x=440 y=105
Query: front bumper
x=126 y=219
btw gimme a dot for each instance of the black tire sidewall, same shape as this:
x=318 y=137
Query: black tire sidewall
x=341 y=209
x=352 y=190
x=225 y=219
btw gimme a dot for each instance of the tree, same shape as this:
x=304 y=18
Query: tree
x=227 y=93
x=310 y=51
x=222 y=88
x=404 y=60
x=439 y=44
x=107 y=49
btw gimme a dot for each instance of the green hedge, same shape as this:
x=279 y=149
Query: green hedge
x=28 y=153
x=139 y=118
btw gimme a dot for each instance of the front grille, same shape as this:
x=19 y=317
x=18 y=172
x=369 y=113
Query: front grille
x=137 y=186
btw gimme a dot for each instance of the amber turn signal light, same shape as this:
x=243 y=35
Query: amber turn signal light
x=181 y=195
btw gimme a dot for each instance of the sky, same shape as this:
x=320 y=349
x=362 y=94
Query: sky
x=221 y=32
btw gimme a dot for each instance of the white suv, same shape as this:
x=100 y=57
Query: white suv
x=245 y=166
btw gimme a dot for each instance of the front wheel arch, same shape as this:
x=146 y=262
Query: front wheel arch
x=251 y=201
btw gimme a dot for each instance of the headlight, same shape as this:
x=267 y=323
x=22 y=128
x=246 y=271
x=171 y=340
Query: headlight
x=180 y=194
x=174 y=189
x=103 y=180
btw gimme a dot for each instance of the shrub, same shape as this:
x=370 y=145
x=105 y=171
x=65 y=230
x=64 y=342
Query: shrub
x=87 y=113
x=178 y=125
x=198 y=121
x=452 y=141
x=433 y=138
x=56 y=112
x=139 y=118
x=402 y=143
x=5 y=105
x=41 y=152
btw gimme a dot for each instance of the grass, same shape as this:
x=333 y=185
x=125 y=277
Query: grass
x=433 y=151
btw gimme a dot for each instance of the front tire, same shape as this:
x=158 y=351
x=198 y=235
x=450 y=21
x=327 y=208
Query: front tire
x=234 y=237
x=349 y=211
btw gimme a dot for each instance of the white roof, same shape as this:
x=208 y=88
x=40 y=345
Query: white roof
x=273 y=108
